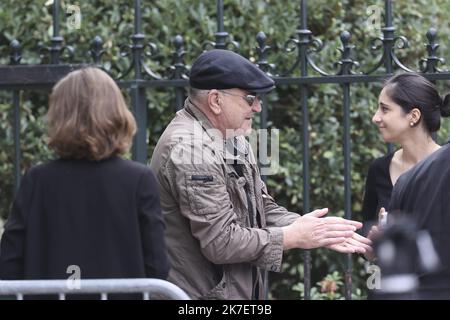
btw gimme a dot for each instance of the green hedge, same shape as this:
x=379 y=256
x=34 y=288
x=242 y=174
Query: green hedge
x=30 y=22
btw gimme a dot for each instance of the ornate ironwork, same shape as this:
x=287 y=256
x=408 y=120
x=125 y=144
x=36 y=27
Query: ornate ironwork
x=137 y=50
x=306 y=43
x=303 y=44
x=220 y=43
x=430 y=64
x=15 y=55
x=346 y=63
x=151 y=51
x=262 y=50
x=178 y=69
x=96 y=50
x=222 y=36
x=56 y=50
x=389 y=42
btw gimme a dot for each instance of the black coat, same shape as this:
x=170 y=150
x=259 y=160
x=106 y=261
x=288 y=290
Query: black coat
x=423 y=193
x=103 y=217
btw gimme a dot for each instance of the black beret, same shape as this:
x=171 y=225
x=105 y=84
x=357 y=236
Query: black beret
x=224 y=69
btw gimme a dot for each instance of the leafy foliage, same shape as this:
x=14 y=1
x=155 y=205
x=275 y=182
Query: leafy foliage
x=31 y=23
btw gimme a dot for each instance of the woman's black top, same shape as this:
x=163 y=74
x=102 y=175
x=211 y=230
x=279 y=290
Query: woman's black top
x=378 y=188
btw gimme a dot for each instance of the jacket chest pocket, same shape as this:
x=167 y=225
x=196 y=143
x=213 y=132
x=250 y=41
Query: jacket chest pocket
x=205 y=193
x=238 y=196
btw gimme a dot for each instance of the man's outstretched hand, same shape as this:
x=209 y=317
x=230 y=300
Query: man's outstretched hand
x=313 y=230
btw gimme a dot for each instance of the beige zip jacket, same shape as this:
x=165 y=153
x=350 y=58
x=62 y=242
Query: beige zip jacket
x=222 y=227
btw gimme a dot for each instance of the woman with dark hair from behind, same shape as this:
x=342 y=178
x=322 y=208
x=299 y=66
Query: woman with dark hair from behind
x=409 y=111
x=89 y=208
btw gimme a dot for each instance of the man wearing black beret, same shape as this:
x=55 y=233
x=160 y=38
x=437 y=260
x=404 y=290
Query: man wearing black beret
x=222 y=227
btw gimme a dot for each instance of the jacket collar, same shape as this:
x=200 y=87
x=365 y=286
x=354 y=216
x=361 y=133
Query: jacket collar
x=195 y=111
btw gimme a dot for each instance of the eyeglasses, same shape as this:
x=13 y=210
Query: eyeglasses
x=250 y=99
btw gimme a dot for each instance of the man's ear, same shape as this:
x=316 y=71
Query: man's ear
x=415 y=115
x=214 y=102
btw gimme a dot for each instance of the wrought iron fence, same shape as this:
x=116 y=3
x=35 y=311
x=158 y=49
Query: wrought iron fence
x=138 y=77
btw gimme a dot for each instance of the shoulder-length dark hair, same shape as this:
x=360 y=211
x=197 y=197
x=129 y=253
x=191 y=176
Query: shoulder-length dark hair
x=88 y=117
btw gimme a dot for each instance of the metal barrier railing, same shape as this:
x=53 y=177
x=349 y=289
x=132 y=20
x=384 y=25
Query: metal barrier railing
x=103 y=287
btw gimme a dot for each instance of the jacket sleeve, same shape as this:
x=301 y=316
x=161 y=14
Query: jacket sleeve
x=200 y=186
x=12 y=247
x=152 y=228
x=276 y=215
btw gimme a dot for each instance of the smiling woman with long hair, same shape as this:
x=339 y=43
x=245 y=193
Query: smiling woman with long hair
x=409 y=111
x=414 y=180
x=89 y=207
